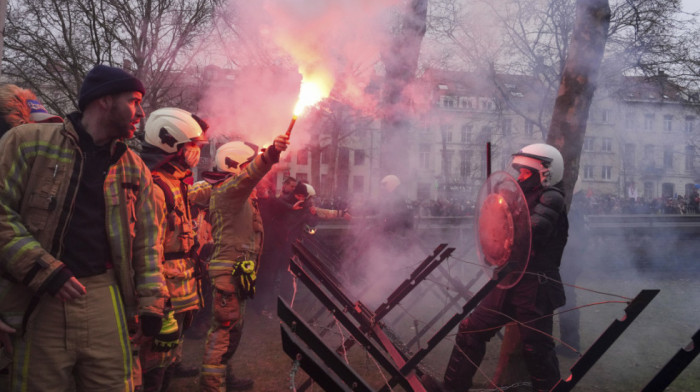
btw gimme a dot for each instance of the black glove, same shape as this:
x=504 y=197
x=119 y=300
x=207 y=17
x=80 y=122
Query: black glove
x=169 y=337
x=245 y=272
x=150 y=324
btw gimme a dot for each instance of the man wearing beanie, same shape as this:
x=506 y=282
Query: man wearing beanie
x=80 y=242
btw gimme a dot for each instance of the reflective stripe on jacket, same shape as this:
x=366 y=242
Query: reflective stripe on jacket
x=40 y=168
x=179 y=271
x=235 y=219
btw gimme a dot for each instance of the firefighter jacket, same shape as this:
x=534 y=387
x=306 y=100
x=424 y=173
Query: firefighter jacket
x=40 y=166
x=174 y=198
x=237 y=227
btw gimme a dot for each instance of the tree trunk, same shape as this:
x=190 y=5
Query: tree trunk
x=568 y=127
x=401 y=62
x=578 y=83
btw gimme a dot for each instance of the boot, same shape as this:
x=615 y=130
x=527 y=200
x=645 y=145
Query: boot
x=431 y=384
x=212 y=378
x=237 y=384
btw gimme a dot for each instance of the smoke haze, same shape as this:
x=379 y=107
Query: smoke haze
x=280 y=43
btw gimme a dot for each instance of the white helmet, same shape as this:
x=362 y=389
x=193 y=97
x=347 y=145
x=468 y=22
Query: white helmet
x=310 y=190
x=390 y=182
x=167 y=128
x=541 y=158
x=232 y=155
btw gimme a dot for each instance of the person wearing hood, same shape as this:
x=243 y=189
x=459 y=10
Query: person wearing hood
x=237 y=230
x=171 y=149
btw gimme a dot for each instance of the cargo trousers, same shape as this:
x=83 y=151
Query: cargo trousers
x=82 y=344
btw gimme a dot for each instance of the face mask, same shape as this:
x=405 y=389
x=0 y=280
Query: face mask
x=530 y=183
x=191 y=155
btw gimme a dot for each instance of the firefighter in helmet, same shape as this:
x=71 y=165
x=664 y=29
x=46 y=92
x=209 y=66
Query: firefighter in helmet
x=238 y=233
x=533 y=299
x=171 y=149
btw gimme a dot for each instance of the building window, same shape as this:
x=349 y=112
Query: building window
x=424 y=156
x=668 y=157
x=648 y=121
x=529 y=128
x=667 y=190
x=605 y=116
x=302 y=177
x=325 y=184
x=588 y=143
x=507 y=126
x=648 y=190
x=302 y=157
x=466 y=133
x=649 y=155
x=446 y=131
x=359 y=157
x=588 y=172
x=606 y=172
x=689 y=157
x=629 y=157
x=447 y=163
x=464 y=164
x=325 y=157
x=423 y=191
x=668 y=123
x=448 y=101
x=689 y=124
x=607 y=144
x=630 y=122
x=358 y=184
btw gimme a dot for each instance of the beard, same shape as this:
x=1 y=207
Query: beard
x=121 y=122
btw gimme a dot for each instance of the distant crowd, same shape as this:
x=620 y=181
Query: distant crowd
x=610 y=204
x=588 y=205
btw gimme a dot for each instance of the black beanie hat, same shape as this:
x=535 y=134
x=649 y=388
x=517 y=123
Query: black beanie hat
x=105 y=80
x=300 y=189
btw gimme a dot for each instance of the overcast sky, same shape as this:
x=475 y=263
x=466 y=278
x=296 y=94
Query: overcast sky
x=691 y=5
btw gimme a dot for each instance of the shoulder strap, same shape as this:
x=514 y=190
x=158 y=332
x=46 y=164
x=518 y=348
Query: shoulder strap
x=167 y=192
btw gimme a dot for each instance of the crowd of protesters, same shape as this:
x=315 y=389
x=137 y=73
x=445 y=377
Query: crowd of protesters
x=588 y=205
x=611 y=204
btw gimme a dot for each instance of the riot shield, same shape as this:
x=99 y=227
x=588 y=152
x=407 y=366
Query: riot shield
x=503 y=230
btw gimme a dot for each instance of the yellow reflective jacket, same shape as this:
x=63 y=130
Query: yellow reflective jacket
x=237 y=227
x=39 y=167
x=178 y=264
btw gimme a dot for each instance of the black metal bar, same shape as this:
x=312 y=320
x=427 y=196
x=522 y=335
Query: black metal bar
x=313 y=366
x=675 y=366
x=454 y=320
x=605 y=340
x=462 y=292
x=420 y=273
x=419 y=334
x=340 y=314
x=488 y=160
x=328 y=281
x=295 y=325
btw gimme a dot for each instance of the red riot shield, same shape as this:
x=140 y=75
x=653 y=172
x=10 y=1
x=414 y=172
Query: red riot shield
x=503 y=230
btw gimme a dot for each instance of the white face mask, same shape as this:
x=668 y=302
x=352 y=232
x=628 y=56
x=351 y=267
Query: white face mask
x=191 y=155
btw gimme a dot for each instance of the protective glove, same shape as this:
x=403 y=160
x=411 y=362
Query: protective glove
x=168 y=337
x=245 y=272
